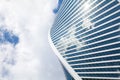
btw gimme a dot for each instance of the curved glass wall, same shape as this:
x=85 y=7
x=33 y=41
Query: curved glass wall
x=87 y=35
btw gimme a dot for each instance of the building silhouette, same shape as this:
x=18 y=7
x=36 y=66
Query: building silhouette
x=86 y=38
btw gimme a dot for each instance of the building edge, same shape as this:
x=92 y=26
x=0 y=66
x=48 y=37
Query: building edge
x=65 y=64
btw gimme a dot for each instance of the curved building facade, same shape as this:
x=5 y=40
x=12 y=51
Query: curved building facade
x=86 y=38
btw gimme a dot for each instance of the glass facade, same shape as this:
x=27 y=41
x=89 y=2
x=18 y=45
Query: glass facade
x=67 y=74
x=87 y=35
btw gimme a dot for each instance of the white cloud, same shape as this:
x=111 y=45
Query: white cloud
x=30 y=20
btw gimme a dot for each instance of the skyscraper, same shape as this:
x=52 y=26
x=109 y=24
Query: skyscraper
x=86 y=38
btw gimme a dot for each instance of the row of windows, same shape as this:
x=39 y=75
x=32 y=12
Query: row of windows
x=96 y=49
x=112 y=23
x=101 y=75
x=114 y=34
x=111 y=69
x=71 y=6
x=71 y=16
x=117 y=63
x=68 y=6
x=87 y=35
x=109 y=52
x=96 y=59
x=111 y=11
x=100 y=43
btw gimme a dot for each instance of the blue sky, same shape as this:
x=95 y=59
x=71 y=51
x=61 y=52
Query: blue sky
x=24 y=26
x=59 y=4
x=8 y=37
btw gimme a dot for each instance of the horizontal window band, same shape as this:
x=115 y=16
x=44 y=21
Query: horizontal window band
x=97 y=67
x=104 y=53
x=94 y=57
x=63 y=8
x=117 y=63
x=65 y=11
x=77 y=52
x=106 y=58
x=99 y=25
x=98 y=72
x=97 y=43
x=97 y=15
x=106 y=23
x=112 y=26
x=106 y=78
x=112 y=32
x=87 y=16
x=64 y=14
x=100 y=14
x=100 y=75
x=99 y=52
x=94 y=62
x=73 y=13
